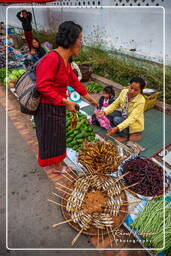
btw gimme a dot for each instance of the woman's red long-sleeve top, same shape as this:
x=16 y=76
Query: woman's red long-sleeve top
x=52 y=80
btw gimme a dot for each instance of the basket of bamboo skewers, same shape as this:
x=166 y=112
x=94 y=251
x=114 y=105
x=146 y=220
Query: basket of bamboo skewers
x=100 y=157
x=94 y=205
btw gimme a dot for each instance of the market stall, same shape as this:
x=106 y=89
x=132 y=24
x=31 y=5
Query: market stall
x=125 y=189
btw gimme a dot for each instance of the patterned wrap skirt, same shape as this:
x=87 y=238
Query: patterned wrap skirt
x=51 y=133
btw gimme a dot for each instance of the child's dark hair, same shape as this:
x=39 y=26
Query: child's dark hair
x=109 y=90
x=139 y=80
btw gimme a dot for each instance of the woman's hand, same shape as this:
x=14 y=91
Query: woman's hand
x=112 y=131
x=70 y=105
x=94 y=102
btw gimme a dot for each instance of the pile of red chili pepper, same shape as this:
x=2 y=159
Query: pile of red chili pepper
x=147 y=175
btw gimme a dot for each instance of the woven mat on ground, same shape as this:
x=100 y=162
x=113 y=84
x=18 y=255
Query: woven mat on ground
x=153 y=133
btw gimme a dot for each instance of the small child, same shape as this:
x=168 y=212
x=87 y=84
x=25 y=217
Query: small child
x=105 y=100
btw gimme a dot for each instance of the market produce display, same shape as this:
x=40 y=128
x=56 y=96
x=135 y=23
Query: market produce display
x=83 y=131
x=13 y=75
x=100 y=157
x=145 y=174
x=96 y=203
x=2 y=74
x=150 y=224
x=94 y=87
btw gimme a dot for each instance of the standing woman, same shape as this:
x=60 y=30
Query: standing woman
x=26 y=19
x=54 y=74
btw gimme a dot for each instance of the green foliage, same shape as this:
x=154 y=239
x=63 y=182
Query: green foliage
x=44 y=36
x=122 y=68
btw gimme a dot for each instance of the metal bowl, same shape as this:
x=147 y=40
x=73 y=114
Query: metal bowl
x=149 y=91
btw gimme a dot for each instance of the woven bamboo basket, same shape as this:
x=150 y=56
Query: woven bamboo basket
x=93 y=231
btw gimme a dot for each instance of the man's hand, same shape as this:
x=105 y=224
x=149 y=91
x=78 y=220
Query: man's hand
x=112 y=131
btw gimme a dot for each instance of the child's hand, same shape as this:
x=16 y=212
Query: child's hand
x=100 y=113
x=112 y=131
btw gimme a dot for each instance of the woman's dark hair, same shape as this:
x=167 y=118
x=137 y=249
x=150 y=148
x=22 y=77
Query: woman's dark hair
x=67 y=34
x=109 y=89
x=24 y=11
x=34 y=38
x=139 y=80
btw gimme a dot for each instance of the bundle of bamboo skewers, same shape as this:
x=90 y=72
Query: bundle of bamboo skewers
x=100 y=157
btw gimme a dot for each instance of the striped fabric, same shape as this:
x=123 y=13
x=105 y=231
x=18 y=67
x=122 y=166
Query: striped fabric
x=51 y=133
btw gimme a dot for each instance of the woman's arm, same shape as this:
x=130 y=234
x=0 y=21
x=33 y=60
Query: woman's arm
x=75 y=83
x=29 y=16
x=19 y=16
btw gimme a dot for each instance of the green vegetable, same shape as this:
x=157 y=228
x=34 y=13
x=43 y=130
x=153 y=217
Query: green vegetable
x=83 y=130
x=94 y=87
x=151 y=222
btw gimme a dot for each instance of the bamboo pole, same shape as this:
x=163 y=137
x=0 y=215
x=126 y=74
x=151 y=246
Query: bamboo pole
x=71 y=176
x=109 y=237
x=98 y=237
x=102 y=242
x=58 y=196
x=114 y=237
x=126 y=187
x=76 y=237
x=120 y=177
x=73 y=171
x=63 y=191
x=60 y=223
x=67 y=178
x=63 y=186
x=51 y=201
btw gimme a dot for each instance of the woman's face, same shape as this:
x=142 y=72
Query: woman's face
x=35 y=44
x=77 y=46
x=134 y=89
